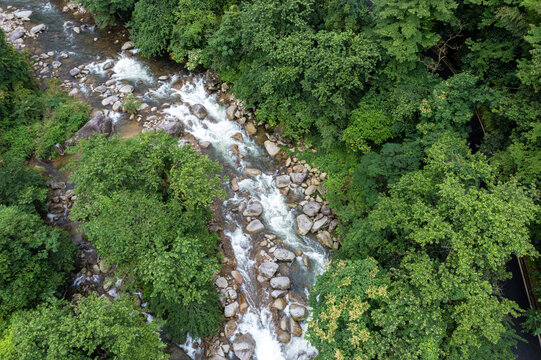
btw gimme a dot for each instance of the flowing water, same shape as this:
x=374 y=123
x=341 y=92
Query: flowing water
x=278 y=217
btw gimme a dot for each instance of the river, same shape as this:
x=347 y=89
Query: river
x=93 y=47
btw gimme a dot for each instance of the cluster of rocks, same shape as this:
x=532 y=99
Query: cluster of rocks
x=60 y=200
x=234 y=304
x=316 y=217
x=273 y=269
x=16 y=25
x=75 y=8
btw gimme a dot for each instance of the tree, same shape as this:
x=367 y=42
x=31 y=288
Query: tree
x=144 y=205
x=445 y=233
x=409 y=27
x=21 y=185
x=35 y=260
x=94 y=329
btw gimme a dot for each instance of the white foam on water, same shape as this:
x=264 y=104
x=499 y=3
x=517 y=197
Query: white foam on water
x=188 y=347
x=131 y=69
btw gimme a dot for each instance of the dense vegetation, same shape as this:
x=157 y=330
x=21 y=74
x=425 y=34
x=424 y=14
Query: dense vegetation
x=391 y=92
x=143 y=202
x=35 y=258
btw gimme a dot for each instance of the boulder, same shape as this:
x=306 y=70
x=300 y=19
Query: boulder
x=250 y=128
x=252 y=172
x=298 y=312
x=298 y=177
x=199 y=111
x=311 y=208
x=98 y=124
x=38 y=28
x=237 y=276
x=109 y=100
x=268 y=269
x=128 y=45
x=221 y=282
x=116 y=106
x=75 y=71
x=282 y=181
x=304 y=224
x=279 y=304
x=169 y=126
x=230 y=112
x=253 y=209
x=17 y=34
x=284 y=255
x=108 y=65
x=318 y=224
x=235 y=184
x=255 y=226
x=271 y=148
x=325 y=238
x=278 y=293
x=295 y=328
x=283 y=336
x=100 y=89
x=244 y=346
x=280 y=283
x=23 y=14
x=231 y=309
x=126 y=89
x=310 y=190
x=229 y=328
x=73 y=92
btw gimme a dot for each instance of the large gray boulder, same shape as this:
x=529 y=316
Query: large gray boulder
x=281 y=283
x=282 y=181
x=253 y=209
x=244 y=346
x=38 y=28
x=268 y=269
x=325 y=238
x=169 y=126
x=255 y=226
x=230 y=112
x=128 y=45
x=16 y=34
x=252 y=171
x=298 y=177
x=271 y=148
x=304 y=224
x=284 y=255
x=231 y=309
x=98 y=124
x=23 y=14
x=199 y=111
x=298 y=312
x=318 y=224
x=311 y=208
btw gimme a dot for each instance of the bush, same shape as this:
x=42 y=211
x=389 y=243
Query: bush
x=35 y=260
x=144 y=204
x=94 y=329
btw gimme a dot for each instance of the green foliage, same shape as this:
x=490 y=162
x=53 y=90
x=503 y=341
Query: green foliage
x=21 y=186
x=409 y=27
x=367 y=125
x=131 y=105
x=530 y=69
x=144 y=204
x=35 y=260
x=342 y=302
x=151 y=25
x=95 y=329
x=451 y=105
x=106 y=11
